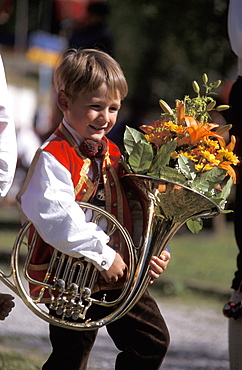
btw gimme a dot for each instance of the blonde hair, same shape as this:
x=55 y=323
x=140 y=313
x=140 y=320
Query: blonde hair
x=85 y=70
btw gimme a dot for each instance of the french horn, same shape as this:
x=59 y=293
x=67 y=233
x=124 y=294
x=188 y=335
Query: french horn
x=70 y=281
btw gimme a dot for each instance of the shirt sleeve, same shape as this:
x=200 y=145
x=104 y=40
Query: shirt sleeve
x=49 y=202
x=8 y=145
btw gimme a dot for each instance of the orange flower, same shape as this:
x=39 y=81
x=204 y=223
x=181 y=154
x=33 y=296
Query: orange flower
x=156 y=133
x=197 y=131
x=159 y=138
x=231 y=158
x=180 y=109
x=230 y=171
x=231 y=145
x=147 y=129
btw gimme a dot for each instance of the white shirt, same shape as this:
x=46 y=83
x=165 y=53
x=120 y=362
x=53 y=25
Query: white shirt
x=49 y=202
x=235 y=30
x=8 y=146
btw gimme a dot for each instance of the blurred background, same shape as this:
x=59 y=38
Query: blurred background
x=162 y=46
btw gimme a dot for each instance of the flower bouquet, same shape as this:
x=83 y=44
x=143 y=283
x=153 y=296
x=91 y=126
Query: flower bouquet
x=184 y=148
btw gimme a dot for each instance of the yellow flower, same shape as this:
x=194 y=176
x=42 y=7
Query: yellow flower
x=173 y=127
x=210 y=157
x=213 y=144
x=227 y=157
x=190 y=156
x=207 y=167
x=224 y=154
x=174 y=155
x=201 y=167
x=195 y=137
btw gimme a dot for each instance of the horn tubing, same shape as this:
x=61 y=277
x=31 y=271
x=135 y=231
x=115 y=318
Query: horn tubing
x=157 y=232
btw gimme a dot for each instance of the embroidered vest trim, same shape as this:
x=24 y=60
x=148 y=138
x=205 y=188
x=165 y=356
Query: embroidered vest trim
x=66 y=150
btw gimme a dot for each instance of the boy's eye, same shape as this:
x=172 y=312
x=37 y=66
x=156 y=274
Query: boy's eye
x=98 y=108
x=114 y=109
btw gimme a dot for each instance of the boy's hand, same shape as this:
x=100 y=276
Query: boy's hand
x=158 y=265
x=6 y=305
x=116 y=270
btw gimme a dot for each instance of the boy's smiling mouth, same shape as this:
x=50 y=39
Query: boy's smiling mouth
x=98 y=128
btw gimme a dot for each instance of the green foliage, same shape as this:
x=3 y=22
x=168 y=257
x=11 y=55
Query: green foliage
x=139 y=151
x=141 y=158
x=131 y=138
x=187 y=167
x=208 y=180
x=220 y=198
x=195 y=225
x=162 y=158
x=171 y=174
x=169 y=44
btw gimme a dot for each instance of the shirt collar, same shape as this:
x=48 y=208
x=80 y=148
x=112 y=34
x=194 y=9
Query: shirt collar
x=79 y=139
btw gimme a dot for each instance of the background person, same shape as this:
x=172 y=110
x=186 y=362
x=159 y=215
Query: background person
x=235 y=118
x=92 y=31
x=8 y=160
x=8 y=146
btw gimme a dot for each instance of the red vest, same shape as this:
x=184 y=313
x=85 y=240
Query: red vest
x=65 y=149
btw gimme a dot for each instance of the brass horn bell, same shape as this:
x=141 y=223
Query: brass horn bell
x=70 y=281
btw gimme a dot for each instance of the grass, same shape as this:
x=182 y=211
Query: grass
x=10 y=360
x=206 y=260
x=7 y=240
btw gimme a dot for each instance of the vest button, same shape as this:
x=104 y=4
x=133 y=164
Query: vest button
x=84 y=190
x=112 y=184
x=115 y=204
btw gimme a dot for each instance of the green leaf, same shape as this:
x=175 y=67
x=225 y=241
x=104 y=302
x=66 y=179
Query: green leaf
x=126 y=167
x=220 y=198
x=209 y=179
x=187 y=167
x=227 y=188
x=141 y=157
x=131 y=138
x=163 y=156
x=226 y=211
x=195 y=225
x=171 y=174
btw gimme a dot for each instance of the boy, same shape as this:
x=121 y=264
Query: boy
x=90 y=87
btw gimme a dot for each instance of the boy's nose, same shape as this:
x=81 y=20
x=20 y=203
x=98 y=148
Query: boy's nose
x=104 y=116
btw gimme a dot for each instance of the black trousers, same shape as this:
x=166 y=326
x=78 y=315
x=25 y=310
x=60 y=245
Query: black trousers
x=141 y=336
x=235 y=118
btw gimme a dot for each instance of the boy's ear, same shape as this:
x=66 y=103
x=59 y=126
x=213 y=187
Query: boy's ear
x=62 y=101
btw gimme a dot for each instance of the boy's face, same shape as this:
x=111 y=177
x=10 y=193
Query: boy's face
x=92 y=114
